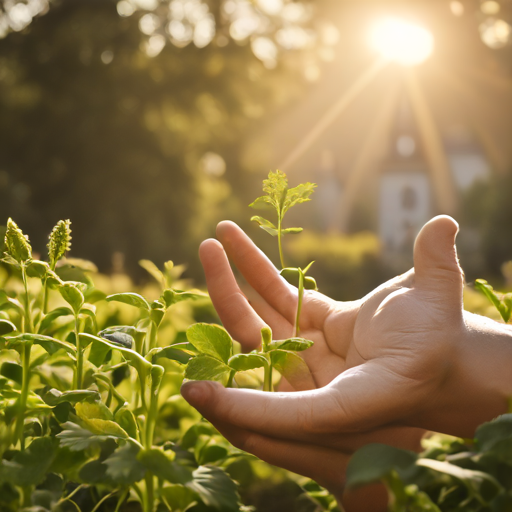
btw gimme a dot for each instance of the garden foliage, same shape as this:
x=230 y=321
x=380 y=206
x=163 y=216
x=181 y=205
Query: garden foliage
x=90 y=413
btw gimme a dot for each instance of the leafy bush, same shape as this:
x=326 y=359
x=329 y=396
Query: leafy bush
x=91 y=418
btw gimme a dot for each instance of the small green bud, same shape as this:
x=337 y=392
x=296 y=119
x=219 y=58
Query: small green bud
x=266 y=337
x=16 y=243
x=60 y=241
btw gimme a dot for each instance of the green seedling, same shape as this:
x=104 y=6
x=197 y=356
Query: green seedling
x=280 y=199
x=215 y=360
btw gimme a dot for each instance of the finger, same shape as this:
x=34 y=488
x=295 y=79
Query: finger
x=258 y=270
x=325 y=466
x=436 y=265
x=360 y=399
x=281 y=328
x=234 y=310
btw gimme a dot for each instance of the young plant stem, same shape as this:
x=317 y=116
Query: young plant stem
x=79 y=356
x=28 y=314
x=149 y=495
x=149 y=431
x=299 y=302
x=267 y=376
x=279 y=241
x=45 y=296
x=22 y=404
x=230 y=379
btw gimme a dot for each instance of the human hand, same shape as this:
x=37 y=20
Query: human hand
x=404 y=355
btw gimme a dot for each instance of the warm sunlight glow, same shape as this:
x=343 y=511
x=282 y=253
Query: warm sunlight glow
x=402 y=42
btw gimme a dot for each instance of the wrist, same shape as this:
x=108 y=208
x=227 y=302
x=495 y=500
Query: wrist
x=480 y=384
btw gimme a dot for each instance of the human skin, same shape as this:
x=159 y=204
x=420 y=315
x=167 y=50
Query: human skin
x=405 y=358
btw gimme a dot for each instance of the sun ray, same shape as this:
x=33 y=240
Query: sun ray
x=368 y=156
x=466 y=95
x=436 y=156
x=333 y=113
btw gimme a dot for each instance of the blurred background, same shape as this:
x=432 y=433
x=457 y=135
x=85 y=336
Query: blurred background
x=146 y=122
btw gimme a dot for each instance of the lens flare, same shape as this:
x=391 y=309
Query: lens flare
x=402 y=42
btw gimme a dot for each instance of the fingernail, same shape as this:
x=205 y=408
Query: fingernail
x=195 y=393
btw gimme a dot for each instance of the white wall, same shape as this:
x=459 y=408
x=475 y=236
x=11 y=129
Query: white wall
x=401 y=218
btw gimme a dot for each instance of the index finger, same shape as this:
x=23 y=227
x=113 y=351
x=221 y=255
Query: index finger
x=257 y=269
x=233 y=308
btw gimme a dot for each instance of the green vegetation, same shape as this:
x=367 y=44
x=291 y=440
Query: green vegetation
x=91 y=418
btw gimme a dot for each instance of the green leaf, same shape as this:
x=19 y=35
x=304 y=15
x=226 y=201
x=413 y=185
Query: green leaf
x=178 y=496
x=266 y=225
x=52 y=316
x=78 y=438
x=16 y=243
x=6 y=327
x=153 y=270
x=162 y=465
x=373 y=462
x=297 y=195
x=37 y=269
x=12 y=371
x=51 y=345
x=294 y=344
x=215 y=488
x=263 y=222
x=133 y=299
x=73 y=296
x=94 y=410
x=170 y=352
x=171 y=297
x=478 y=483
x=123 y=466
x=504 y=307
x=244 y=362
x=204 y=367
x=13 y=304
x=30 y=466
x=292 y=367
x=211 y=339
x=119 y=338
x=292 y=231
x=134 y=359
x=55 y=397
x=292 y=276
x=126 y=420
x=262 y=203
x=489 y=434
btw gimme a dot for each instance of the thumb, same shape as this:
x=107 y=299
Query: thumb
x=436 y=266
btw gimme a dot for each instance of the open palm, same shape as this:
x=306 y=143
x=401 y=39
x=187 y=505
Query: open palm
x=403 y=358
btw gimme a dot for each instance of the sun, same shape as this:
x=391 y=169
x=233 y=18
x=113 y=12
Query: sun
x=402 y=42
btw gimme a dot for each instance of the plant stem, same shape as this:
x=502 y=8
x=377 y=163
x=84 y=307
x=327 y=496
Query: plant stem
x=299 y=302
x=79 y=356
x=230 y=379
x=45 y=296
x=28 y=315
x=22 y=404
x=267 y=376
x=279 y=241
x=149 y=495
